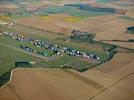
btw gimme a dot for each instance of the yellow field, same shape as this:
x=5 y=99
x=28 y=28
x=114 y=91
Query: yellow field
x=72 y=19
x=48 y=18
x=5 y=18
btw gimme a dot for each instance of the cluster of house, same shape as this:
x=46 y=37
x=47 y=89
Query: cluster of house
x=49 y=46
x=74 y=52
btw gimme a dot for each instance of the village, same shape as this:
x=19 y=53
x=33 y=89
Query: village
x=57 y=50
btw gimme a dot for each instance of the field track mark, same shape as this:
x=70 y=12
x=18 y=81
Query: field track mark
x=11 y=87
x=85 y=79
x=112 y=85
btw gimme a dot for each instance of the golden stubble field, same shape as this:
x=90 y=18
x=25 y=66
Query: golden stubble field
x=49 y=84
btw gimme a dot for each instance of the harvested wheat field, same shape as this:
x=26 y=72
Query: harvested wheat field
x=49 y=84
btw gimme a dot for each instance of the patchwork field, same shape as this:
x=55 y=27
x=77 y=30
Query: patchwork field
x=105 y=25
x=62 y=23
x=76 y=51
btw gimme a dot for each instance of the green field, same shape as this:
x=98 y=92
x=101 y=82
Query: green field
x=71 y=61
x=88 y=48
x=83 y=13
x=17 y=44
x=73 y=11
x=12 y=55
x=8 y=57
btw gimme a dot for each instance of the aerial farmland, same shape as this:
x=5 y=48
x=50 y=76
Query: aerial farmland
x=66 y=49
